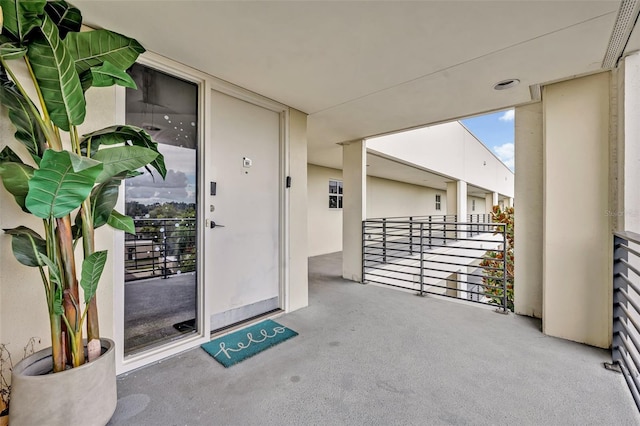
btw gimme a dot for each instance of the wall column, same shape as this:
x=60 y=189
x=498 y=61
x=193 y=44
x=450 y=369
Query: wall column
x=457 y=204
x=627 y=212
x=298 y=237
x=354 y=206
x=457 y=199
x=528 y=215
x=577 y=256
x=490 y=200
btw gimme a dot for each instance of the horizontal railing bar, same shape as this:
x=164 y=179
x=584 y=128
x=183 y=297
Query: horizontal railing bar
x=391 y=256
x=401 y=239
x=633 y=387
x=629 y=236
x=414 y=218
x=449 y=247
x=628 y=282
x=628 y=249
x=436 y=285
x=633 y=323
x=434 y=293
x=369 y=250
x=633 y=303
x=484 y=268
x=633 y=354
x=631 y=267
x=631 y=336
x=465 y=265
x=449 y=223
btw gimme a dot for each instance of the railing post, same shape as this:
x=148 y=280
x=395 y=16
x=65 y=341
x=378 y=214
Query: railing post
x=384 y=240
x=455 y=228
x=411 y=235
x=505 y=308
x=164 y=240
x=422 y=257
x=364 y=240
x=430 y=230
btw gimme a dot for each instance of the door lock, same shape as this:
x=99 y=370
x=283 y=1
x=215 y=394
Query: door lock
x=212 y=224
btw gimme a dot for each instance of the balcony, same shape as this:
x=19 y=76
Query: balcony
x=373 y=355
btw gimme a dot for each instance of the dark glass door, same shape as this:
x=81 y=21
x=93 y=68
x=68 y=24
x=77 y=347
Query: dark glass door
x=160 y=259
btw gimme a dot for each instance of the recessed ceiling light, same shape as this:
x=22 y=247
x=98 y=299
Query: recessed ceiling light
x=506 y=84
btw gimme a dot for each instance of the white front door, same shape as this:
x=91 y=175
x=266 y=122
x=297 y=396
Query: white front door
x=243 y=262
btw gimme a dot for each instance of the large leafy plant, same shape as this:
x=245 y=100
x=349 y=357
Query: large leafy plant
x=69 y=181
x=493 y=262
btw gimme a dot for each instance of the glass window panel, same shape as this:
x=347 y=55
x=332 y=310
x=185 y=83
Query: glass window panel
x=333 y=201
x=333 y=187
x=160 y=266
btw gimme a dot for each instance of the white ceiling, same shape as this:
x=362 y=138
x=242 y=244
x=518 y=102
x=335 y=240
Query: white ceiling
x=365 y=68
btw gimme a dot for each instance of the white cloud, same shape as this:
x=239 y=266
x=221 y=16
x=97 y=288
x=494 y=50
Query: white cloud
x=508 y=115
x=505 y=153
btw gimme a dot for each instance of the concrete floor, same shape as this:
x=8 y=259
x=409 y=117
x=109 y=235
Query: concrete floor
x=154 y=305
x=377 y=356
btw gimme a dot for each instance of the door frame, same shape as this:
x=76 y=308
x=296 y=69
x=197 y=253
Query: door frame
x=206 y=84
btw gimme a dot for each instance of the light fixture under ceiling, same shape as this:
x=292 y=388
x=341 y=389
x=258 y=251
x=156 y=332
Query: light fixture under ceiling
x=506 y=84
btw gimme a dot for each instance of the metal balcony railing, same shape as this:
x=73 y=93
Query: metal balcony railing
x=438 y=255
x=160 y=248
x=625 y=348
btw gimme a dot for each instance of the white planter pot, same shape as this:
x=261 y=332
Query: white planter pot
x=85 y=395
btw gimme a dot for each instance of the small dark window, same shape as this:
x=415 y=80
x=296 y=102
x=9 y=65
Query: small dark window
x=335 y=194
x=438 y=202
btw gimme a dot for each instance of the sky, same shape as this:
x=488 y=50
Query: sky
x=496 y=132
x=178 y=186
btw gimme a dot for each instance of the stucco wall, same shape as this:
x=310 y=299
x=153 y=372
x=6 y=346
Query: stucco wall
x=528 y=215
x=480 y=205
x=577 y=293
x=450 y=150
x=23 y=312
x=324 y=224
x=385 y=198
x=389 y=198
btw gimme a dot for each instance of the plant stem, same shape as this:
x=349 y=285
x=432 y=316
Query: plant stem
x=88 y=245
x=70 y=287
x=56 y=343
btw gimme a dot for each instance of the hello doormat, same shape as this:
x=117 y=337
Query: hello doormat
x=242 y=344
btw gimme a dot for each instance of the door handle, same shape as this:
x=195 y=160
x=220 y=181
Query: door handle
x=213 y=225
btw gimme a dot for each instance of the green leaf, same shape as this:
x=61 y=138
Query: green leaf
x=28 y=131
x=27 y=244
x=92 y=268
x=21 y=16
x=10 y=51
x=122 y=159
x=56 y=75
x=129 y=135
x=121 y=222
x=66 y=17
x=54 y=272
x=104 y=198
x=63 y=181
x=107 y=75
x=93 y=48
x=15 y=178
